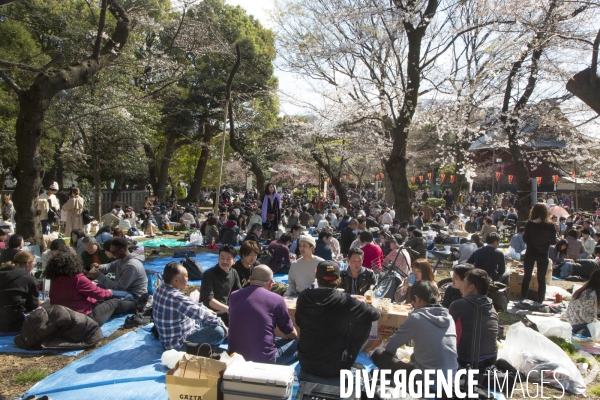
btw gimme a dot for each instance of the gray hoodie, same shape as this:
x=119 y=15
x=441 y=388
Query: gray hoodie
x=130 y=275
x=433 y=333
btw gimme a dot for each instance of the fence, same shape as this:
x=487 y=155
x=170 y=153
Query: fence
x=133 y=198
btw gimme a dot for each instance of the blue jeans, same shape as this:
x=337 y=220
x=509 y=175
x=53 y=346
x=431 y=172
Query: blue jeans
x=123 y=295
x=566 y=270
x=45 y=227
x=583 y=328
x=287 y=351
x=213 y=335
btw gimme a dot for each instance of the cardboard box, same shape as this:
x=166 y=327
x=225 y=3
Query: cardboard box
x=389 y=322
x=516 y=282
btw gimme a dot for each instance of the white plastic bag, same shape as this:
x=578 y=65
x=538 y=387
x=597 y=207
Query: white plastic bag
x=530 y=351
x=171 y=357
x=550 y=326
x=590 y=367
x=594 y=328
x=195 y=295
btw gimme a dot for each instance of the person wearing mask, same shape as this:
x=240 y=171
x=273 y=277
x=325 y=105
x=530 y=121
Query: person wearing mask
x=18 y=291
x=584 y=306
x=540 y=234
x=302 y=271
x=219 y=282
x=474 y=291
x=178 y=318
x=422 y=271
x=490 y=259
x=517 y=242
x=322 y=248
x=255 y=312
x=357 y=279
x=454 y=291
x=130 y=280
x=431 y=329
x=15 y=244
x=334 y=326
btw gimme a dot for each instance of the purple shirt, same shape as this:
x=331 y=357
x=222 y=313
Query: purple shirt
x=253 y=314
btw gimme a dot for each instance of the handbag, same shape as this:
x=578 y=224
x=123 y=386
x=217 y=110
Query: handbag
x=498 y=292
x=86 y=218
x=51 y=212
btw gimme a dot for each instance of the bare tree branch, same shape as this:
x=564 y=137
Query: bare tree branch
x=10 y=82
x=101 y=24
x=24 y=67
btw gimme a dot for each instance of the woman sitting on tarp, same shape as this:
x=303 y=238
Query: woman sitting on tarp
x=583 y=308
x=18 y=291
x=70 y=288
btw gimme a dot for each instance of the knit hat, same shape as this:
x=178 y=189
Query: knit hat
x=307 y=238
x=328 y=270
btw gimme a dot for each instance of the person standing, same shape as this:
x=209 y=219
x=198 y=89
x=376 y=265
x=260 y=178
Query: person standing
x=48 y=201
x=8 y=209
x=540 y=234
x=271 y=211
x=74 y=207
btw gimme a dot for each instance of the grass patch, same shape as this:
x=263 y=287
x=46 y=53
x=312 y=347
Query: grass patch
x=595 y=390
x=567 y=347
x=33 y=375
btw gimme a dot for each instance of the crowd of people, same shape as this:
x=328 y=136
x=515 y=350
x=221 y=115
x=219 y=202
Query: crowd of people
x=102 y=275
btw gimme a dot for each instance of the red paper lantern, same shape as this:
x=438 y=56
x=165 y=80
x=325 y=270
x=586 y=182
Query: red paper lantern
x=555 y=178
x=443 y=176
x=429 y=175
x=421 y=178
x=539 y=180
x=573 y=173
x=510 y=178
x=412 y=180
x=452 y=178
x=589 y=174
x=498 y=175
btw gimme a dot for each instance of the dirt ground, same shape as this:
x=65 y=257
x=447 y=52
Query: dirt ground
x=11 y=365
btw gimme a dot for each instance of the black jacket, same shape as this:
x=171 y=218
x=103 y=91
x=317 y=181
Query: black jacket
x=584 y=268
x=323 y=250
x=418 y=244
x=450 y=296
x=539 y=237
x=364 y=281
x=489 y=259
x=8 y=255
x=58 y=327
x=18 y=295
x=463 y=313
x=229 y=233
x=252 y=236
x=346 y=238
x=334 y=327
x=471 y=227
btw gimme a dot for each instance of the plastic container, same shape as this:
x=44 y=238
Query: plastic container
x=248 y=380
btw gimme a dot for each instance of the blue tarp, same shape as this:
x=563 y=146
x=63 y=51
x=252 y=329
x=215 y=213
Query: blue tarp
x=7 y=344
x=127 y=368
x=169 y=242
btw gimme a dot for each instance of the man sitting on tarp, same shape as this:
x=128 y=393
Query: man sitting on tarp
x=334 y=327
x=179 y=319
x=92 y=253
x=254 y=312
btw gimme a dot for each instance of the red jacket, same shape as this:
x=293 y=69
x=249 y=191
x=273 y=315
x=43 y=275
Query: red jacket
x=77 y=293
x=373 y=257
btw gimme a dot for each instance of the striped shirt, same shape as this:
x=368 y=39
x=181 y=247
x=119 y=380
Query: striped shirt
x=176 y=316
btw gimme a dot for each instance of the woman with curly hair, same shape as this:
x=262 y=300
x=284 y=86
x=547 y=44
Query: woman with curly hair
x=70 y=288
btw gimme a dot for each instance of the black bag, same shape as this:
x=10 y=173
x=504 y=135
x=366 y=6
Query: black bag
x=184 y=253
x=498 y=292
x=194 y=269
x=52 y=213
x=265 y=257
x=86 y=217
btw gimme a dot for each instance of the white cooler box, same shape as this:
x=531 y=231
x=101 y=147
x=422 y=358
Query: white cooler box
x=244 y=380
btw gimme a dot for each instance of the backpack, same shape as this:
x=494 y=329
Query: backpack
x=51 y=213
x=194 y=269
x=265 y=257
x=133 y=231
x=154 y=280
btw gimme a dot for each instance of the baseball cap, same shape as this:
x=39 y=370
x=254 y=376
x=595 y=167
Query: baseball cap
x=328 y=270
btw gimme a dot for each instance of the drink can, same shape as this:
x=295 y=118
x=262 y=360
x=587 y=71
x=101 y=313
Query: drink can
x=558 y=298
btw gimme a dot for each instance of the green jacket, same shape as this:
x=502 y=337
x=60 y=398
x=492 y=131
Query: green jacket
x=88 y=259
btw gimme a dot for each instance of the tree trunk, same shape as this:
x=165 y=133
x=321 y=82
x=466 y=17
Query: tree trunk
x=152 y=167
x=115 y=196
x=3 y=179
x=33 y=104
x=396 y=169
x=521 y=178
x=196 y=185
x=261 y=181
x=335 y=180
x=581 y=87
x=165 y=162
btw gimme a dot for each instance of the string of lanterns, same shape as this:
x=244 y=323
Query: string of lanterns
x=443 y=176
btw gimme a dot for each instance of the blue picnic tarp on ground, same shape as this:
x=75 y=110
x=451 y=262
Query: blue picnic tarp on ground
x=127 y=368
x=7 y=344
x=169 y=242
